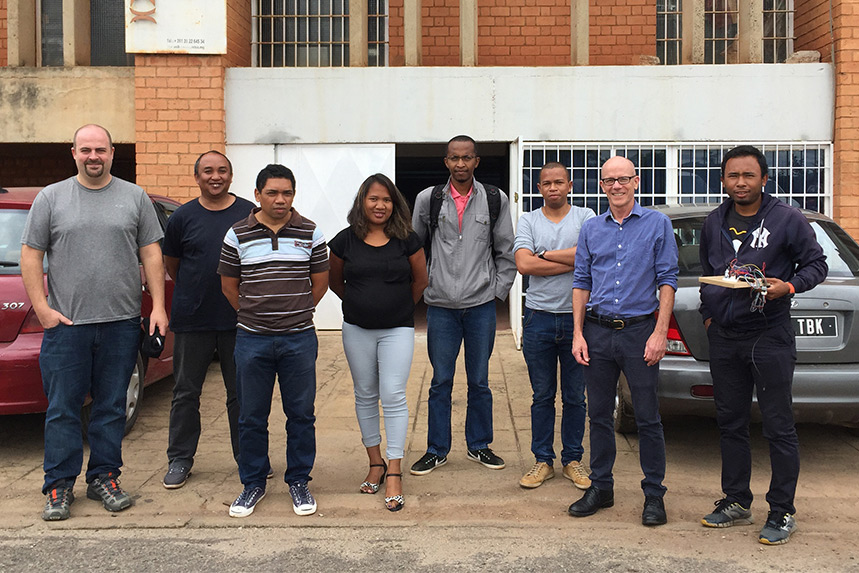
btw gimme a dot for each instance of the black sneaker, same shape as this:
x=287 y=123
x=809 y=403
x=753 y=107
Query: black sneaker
x=246 y=502
x=176 y=476
x=57 y=505
x=486 y=457
x=105 y=489
x=727 y=514
x=427 y=463
x=302 y=500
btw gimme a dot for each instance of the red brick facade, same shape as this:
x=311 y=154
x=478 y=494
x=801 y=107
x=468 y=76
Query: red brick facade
x=179 y=115
x=440 y=25
x=811 y=27
x=4 y=35
x=846 y=163
x=396 y=40
x=621 y=31
x=516 y=33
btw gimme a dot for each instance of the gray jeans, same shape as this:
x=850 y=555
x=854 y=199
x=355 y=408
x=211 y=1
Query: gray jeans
x=380 y=360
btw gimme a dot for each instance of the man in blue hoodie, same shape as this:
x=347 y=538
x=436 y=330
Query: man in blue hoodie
x=752 y=346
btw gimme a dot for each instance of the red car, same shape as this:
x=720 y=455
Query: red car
x=21 y=334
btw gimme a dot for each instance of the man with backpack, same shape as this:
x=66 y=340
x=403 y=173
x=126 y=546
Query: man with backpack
x=469 y=236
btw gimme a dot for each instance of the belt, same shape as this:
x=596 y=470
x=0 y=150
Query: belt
x=616 y=323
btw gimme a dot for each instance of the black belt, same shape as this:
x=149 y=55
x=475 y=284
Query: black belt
x=616 y=323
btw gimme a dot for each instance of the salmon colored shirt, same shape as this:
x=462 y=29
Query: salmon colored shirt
x=460 y=201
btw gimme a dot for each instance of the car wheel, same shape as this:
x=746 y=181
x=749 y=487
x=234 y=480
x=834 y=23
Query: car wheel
x=624 y=414
x=133 y=399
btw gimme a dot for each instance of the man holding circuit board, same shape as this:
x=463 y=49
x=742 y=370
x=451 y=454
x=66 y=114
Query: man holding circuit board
x=755 y=238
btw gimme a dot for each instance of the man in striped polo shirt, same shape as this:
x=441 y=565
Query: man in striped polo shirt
x=274 y=270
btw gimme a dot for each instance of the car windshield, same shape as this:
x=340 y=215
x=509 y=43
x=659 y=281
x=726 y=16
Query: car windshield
x=11 y=228
x=842 y=252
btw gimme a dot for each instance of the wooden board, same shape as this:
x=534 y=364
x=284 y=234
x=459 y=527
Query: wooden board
x=723 y=282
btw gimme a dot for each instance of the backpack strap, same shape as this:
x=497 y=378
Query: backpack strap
x=493 y=199
x=436 y=199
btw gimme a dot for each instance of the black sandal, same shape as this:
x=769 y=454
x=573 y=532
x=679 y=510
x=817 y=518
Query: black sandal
x=375 y=486
x=397 y=498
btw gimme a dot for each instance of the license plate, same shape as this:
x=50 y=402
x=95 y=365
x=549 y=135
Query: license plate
x=815 y=326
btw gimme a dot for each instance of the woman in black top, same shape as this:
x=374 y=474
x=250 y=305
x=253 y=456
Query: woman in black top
x=379 y=271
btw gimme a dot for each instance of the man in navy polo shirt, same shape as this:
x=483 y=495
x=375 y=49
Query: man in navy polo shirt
x=202 y=319
x=626 y=268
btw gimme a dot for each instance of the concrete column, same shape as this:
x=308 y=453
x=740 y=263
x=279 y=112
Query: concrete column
x=580 y=30
x=358 y=34
x=697 y=29
x=412 y=32
x=751 y=32
x=21 y=26
x=468 y=32
x=76 y=33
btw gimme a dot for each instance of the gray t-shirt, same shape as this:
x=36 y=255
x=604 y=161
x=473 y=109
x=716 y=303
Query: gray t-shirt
x=536 y=233
x=91 y=238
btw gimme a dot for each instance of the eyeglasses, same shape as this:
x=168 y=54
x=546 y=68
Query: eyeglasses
x=458 y=158
x=609 y=181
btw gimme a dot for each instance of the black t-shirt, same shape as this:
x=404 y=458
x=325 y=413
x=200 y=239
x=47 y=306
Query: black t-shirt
x=378 y=291
x=194 y=235
x=738 y=227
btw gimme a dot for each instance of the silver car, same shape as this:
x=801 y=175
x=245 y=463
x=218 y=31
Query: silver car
x=826 y=379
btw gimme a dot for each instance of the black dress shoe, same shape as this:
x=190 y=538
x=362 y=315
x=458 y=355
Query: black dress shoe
x=654 y=511
x=593 y=500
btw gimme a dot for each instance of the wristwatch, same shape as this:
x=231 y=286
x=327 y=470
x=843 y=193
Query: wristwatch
x=542 y=254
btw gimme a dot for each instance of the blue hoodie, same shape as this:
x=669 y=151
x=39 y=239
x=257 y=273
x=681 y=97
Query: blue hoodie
x=779 y=237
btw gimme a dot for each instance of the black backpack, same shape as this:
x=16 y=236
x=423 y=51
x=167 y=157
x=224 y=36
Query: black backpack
x=493 y=199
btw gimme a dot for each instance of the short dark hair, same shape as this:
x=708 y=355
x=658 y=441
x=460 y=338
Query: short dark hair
x=399 y=226
x=461 y=139
x=746 y=151
x=555 y=165
x=211 y=151
x=104 y=129
x=274 y=171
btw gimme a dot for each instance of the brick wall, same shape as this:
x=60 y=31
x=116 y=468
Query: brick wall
x=621 y=31
x=811 y=27
x=516 y=33
x=846 y=161
x=440 y=27
x=4 y=35
x=396 y=27
x=238 y=33
x=179 y=115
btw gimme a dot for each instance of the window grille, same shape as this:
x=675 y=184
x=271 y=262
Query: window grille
x=51 y=32
x=721 y=27
x=301 y=33
x=107 y=34
x=778 y=30
x=669 y=29
x=799 y=173
x=377 y=33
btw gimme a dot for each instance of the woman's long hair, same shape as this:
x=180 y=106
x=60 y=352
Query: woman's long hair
x=398 y=226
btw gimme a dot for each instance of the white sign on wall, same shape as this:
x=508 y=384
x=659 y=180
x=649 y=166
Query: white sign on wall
x=186 y=27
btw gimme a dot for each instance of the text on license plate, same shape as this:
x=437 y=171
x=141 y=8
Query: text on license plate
x=815 y=326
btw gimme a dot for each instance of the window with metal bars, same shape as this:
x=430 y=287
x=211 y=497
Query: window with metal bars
x=377 y=33
x=51 y=32
x=669 y=42
x=778 y=30
x=799 y=173
x=721 y=29
x=301 y=33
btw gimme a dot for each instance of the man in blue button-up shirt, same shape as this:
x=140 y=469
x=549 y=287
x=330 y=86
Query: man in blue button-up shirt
x=626 y=268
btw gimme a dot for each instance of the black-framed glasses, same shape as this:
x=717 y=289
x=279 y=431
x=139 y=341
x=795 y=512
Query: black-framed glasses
x=609 y=181
x=457 y=158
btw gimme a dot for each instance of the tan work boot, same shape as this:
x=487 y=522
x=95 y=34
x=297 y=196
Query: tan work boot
x=537 y=475
x=578 y=474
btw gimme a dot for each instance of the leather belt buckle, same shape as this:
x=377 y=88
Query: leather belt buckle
x=618 y=324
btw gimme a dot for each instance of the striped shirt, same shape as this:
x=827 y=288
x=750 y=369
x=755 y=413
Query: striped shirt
x=274 y=272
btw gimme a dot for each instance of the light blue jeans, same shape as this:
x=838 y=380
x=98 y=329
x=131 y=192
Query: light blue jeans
x=380 y=360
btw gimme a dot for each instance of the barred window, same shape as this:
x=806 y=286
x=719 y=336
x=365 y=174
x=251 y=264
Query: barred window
x=721 y=28
x=377 y=33
x=51 y=32
x=301 y=33
x=778 y=30
x=669 y=41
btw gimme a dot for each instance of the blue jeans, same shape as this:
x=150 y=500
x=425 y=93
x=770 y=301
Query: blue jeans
x=447 y=328
x=612 y=351
x=95 y=359
x=292 y=358
x=547 y=340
